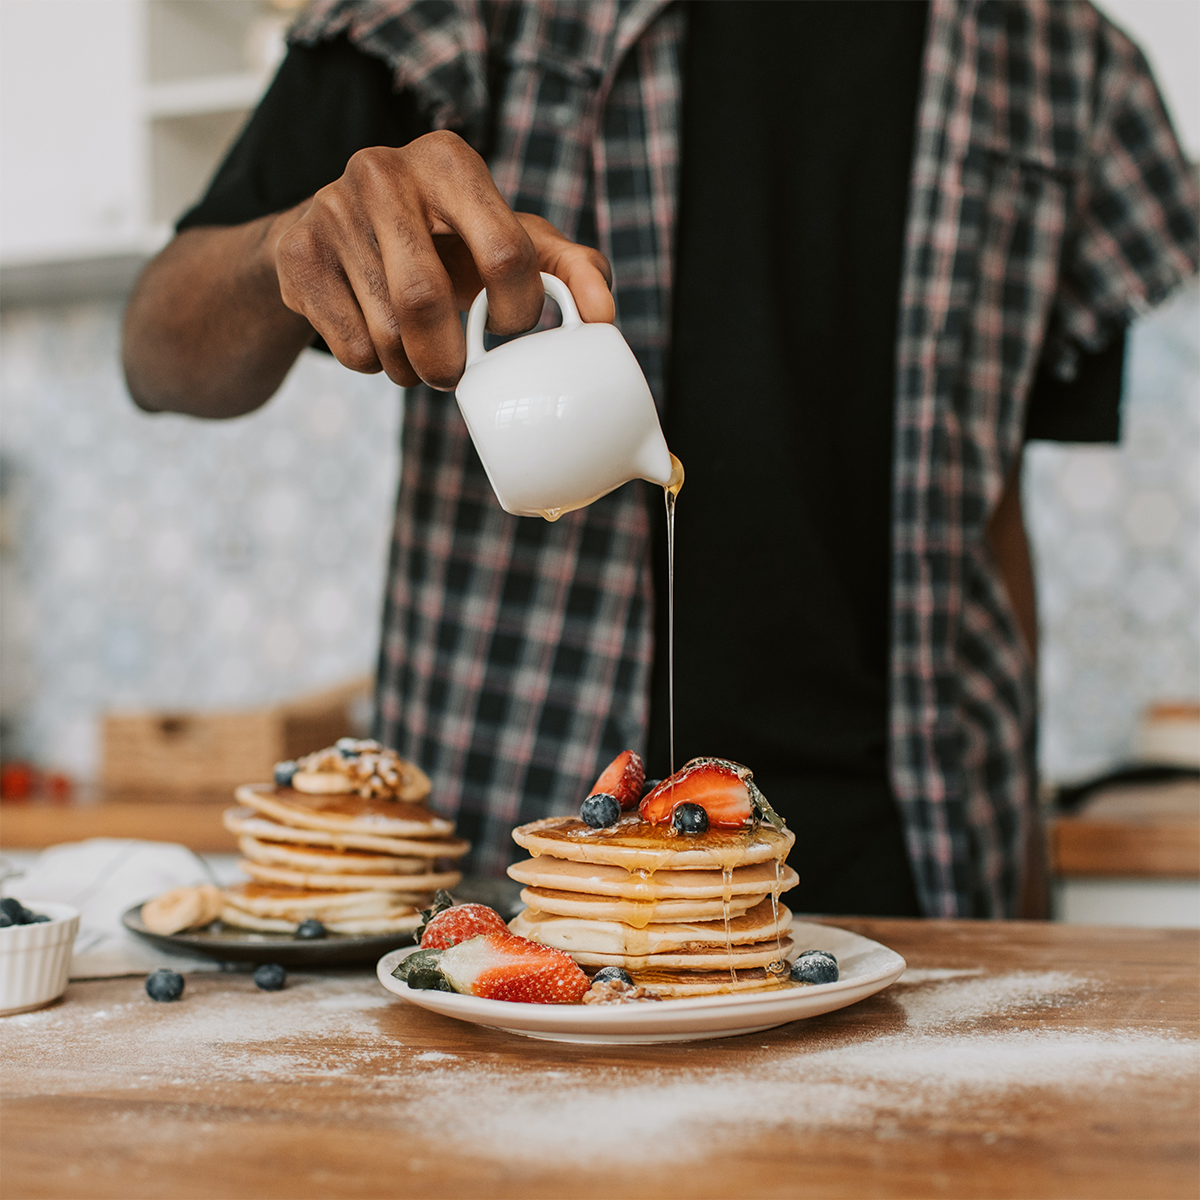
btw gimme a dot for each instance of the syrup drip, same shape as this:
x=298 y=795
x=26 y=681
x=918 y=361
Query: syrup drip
x=779 y=967
x=726 y=896
x=670 y=493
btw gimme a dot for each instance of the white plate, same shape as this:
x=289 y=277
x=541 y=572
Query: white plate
x=865 y=967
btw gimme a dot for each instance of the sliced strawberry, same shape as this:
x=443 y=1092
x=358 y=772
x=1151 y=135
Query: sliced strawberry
x=502 y=966
x=623 y=778
x=721 y=788
x=457 y=924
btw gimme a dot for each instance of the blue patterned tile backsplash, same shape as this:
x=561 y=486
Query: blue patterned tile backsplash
x=162 y=562
x=1116 y=536
x=165 y=563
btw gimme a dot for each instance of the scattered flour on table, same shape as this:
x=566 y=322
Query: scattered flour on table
x=948 y=1055
x=880 y=1084
x=967 y=1001
x=931 y=974
x=235 y=1033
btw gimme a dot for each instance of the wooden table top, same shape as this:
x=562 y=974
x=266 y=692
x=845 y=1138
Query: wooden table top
x=1013 y=1060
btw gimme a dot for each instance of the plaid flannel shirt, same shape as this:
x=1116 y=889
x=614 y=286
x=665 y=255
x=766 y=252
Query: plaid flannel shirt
x=1049 y=204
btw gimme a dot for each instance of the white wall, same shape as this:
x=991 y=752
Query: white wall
x=1168 y=32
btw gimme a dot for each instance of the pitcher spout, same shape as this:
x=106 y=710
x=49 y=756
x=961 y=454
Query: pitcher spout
x=655 y=463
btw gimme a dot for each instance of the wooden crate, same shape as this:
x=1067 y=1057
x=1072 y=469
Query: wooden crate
x=212 y=751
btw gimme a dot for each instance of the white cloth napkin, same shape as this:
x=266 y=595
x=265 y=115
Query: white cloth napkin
x=102 y=877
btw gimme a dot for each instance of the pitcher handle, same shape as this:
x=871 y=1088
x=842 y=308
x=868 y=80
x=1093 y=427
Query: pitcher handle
x=477 y=318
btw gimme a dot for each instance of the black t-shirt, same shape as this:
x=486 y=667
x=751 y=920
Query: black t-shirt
x=798 y=126
x=797 y=143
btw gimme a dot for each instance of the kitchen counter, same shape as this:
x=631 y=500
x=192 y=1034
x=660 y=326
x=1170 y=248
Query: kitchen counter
x=1130 y=853
x=191 y=818
x=1140 y=830
x=1013 y=1059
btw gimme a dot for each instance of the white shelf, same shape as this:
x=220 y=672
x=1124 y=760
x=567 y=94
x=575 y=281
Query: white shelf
x=208 y=94
x=113 y=132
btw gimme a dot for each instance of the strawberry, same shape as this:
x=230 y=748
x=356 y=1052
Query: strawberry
x=457 y=924
x=723 y=789
x=502 y=966
x=623 y=778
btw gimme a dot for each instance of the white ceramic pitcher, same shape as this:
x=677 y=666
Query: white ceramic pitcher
x=561 y=417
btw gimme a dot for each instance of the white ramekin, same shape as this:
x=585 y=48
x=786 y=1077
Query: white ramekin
x=35 y=960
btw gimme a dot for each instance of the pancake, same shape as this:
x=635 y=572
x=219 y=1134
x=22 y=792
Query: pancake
x=637 y=846
x=328 y=862
x=247 y=821
x=710 y=958
x=244 y=920
x=597 y=880
x=575 y=934
x=672 y=984
x=342 y=812
x=633 y=912
x=289 y=903
x=417 y=888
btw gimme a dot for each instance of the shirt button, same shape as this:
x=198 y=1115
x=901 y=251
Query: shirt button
x=562 y=115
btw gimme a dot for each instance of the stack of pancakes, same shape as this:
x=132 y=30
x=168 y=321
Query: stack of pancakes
x=686 y=916
x=318 y=848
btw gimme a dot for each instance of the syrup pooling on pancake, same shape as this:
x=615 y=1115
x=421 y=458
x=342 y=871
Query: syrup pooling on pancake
x=596 y=880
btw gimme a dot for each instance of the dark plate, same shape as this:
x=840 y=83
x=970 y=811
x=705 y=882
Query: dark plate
x=227 y=943
x=230 y=944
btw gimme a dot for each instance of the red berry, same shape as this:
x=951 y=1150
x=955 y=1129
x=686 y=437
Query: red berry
x=457 y=924
x=502 y=966
x=623 y=778
x=717 y=786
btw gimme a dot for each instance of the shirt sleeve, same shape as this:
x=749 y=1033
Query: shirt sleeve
x=327 y=102
x=1134 y=233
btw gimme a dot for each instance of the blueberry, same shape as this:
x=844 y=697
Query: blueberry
x=690 y=818
x=611 y=975
x=270 y=977
x=5 y=920
x=164 y=985
x=649 y=786
x=600 y=811
x=284 y=772
x=347 y=747
x=814 y=966
x=14 y=910
x=36 y=918
x=310 y=930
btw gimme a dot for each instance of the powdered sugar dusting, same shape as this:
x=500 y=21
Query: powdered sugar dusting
x=941 y=1044
x=876 y=1084
x=930 y=974
x=965 y=1001
x=223 y=1029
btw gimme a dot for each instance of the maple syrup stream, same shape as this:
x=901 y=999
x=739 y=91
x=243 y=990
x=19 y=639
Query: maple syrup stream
x=670 y=492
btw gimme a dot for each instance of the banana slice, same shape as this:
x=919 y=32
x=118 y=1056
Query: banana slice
x=322 y=783
x=183 y=908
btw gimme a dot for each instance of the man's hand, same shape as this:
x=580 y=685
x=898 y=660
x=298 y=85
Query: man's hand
x=379 y=263
x=382 y=261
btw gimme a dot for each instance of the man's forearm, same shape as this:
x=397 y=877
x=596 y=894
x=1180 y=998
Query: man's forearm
x=206 y=331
